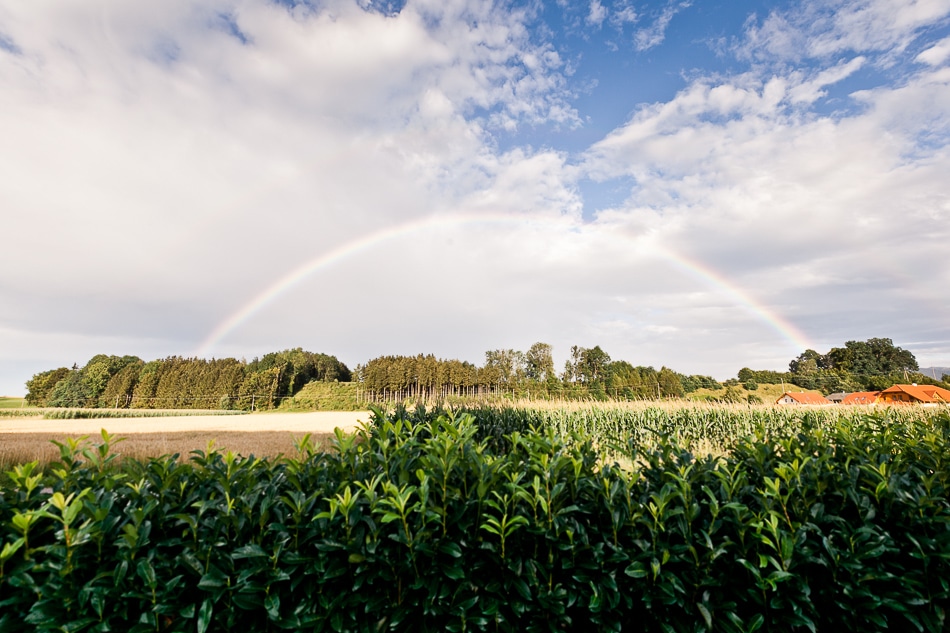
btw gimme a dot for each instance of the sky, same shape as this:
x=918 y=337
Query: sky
x=701 y=185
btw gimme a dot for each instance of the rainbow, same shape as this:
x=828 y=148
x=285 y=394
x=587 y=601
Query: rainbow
x=709 y=276
x=702 y=273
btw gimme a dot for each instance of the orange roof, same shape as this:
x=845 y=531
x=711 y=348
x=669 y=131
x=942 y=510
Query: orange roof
x=921 y=393
x=861 y=397
x=801 y=397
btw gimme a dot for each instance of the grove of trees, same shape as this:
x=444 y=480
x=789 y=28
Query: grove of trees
x=871 y=365
x=589 y=373
x=183 y=383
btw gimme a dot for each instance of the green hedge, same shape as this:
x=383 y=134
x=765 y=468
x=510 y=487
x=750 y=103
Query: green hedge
x=442 y=525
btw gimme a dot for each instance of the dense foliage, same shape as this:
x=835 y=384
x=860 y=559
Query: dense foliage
x=874 y=356
x=588 y=374
x=871 y=365
x=184 y=383
x=458 y=525
x=39 y=386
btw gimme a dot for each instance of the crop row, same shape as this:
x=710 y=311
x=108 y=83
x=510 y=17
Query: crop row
x=451 y=524
x=95 y=414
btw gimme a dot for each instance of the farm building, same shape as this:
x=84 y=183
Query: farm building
x=915 y=394
x=800 y=397
x=861 y=397
x=837 y=397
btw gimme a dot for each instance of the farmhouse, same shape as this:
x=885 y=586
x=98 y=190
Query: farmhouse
x=915 y=394
x=800 y=397
x=861 y=397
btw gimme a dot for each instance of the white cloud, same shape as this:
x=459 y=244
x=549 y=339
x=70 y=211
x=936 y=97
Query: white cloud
x=825 y=28
x=195 y=178
x=597 y=13
x=810 y=90
x=937 y=54
x=800 y=208
x=877 y=24
x=623 y=15
x=653 y=35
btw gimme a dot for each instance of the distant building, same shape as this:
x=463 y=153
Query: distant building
x=800 y=397
x=915 y=394
x=837 y=397
x=861 y=397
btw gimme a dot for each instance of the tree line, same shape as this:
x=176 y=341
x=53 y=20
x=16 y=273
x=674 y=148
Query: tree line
x=183 y=383
x=588 y=373
x=227 y=383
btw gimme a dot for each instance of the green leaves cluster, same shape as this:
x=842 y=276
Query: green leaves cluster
x=446 y=523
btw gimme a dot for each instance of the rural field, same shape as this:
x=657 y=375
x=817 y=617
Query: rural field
x=679 y=517
x=702 y=427
x=153 y=421
x=24 y=439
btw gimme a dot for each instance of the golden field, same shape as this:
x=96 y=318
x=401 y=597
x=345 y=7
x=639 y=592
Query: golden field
x=263 y=434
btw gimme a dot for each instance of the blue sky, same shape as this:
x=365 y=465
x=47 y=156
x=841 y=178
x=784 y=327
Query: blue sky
x=702 y=185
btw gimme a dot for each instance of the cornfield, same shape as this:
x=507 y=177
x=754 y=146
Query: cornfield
x=698 y=427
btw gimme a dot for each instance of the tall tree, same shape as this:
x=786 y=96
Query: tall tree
x=121 y=387
x=593 y=364
x=670 y=384
x=38 y=387
x=509 y=364
x=876 y=356
x=71 y=391
x=806 y=363
x=572 y=367
x=539 y=362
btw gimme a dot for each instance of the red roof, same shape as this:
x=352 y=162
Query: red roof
x=921 y=393
x=861 y=397
x=800 y=397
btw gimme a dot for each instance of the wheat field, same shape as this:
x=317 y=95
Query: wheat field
x=265 y=434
